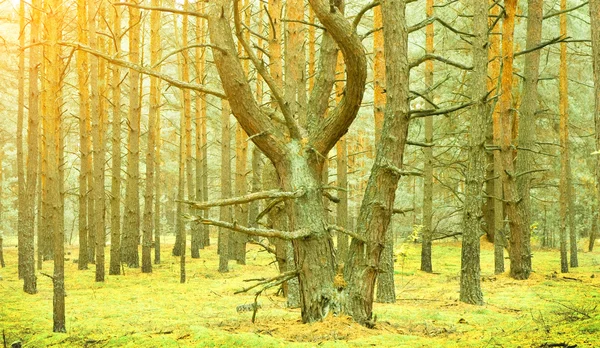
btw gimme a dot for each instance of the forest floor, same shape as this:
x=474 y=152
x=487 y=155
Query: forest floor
x=155 y=310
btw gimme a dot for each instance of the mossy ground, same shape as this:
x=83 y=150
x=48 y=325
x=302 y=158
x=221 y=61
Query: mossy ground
x=155 y=310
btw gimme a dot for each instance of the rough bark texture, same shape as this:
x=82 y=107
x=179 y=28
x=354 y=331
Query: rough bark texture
x=131 y=223
x=427 y=234
x=199 y=230
x=149 y=189
x=520 y=256
x=376 y=209
x=564 y=144
x=238 y=240
x=19 y=140
x=528 y=108
x=225 y=213
x=296 y=153
x=497 y=222
x=595 y=28
x=27 y=245
x=470 y=288
x=84 y=137
x=115 y=185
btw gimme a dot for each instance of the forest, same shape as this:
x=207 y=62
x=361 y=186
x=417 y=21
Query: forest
x=268 y=173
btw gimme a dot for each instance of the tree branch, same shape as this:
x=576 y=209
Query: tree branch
x=418 y=143
x=433 y=112
x=245 y=199
x=428 y=21
x=162 y=9
x=291 y=123
x=261 y=232
x=542 y=45
x=352 y=234
x=428 y=56
x=262 y=281
x=564 y=11
x=147 y=71
x=402 y=211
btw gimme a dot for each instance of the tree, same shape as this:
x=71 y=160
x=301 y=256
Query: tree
x=19 y=140
x=520 y=255
x=378 y=202
x=151 y=151
x=28 y=267
x=470 y=288
x=528 y=108
x=131 y=223
x=595 y=36
x=54 y=81
x=225 y=213
x=427 y=234
x=564 y=142
x=115 y=186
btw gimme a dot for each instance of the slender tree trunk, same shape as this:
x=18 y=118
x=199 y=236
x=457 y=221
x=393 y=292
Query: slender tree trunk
x=376 y=208
x=131 y=223
x=564 y=143
x=520 y=255
x=200 y=120
x=594 y=230
x=27 y=246
x=528 y=108
x=225 y=213
x=150 y=151
x=497 y=222
x=470 y=288
x=54 y=78
x=21 y=203
x=427 y=234
x=595 y=36
x=115 y=187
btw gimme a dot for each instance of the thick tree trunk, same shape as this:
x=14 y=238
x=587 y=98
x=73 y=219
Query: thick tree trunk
x=470 y=288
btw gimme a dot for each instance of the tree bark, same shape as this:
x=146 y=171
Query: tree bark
x=564 y=143
x=520 y=256
x=427 y=234
x=595 y=36
x=225 y=213
x=131 y=223
x=470 y=288
x=21 y=203
x=27 y=246
x=115 y=187
x=377 y=205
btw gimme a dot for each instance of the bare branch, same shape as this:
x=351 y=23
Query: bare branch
x=428 y=21
x=420 y=144
x=542 y=45
x=261 y=232
x=269 y=207
x=183 y=49
x=441 y=59
x=352 y=234
x=331 y=197
x=433 y=112
x=291 y=123
x=245 y=199
x=162 y=9
x=147 y=71
x=565 y=11
x=262 y=281
x=402 y=211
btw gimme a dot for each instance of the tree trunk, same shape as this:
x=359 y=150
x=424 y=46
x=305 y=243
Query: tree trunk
x=470 y=288
x=594 y=230
x=520 y=255
x=595 y=36
x=21 y=203
x=131 y=223
x=27 y=246
x=427 y=234
x=115 y=187
x=199 y=230
x=573 y=260
x=225 y=213
x=564 y=142
x=237 y=241
x=2 y=264
x=378 y=202
x=155 y=51
x=497 y=223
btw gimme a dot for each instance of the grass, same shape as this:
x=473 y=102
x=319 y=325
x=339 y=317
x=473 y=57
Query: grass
x=155 y=310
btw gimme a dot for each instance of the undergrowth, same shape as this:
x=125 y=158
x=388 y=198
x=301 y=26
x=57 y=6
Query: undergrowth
x=155 y=310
